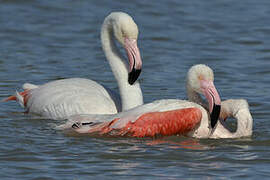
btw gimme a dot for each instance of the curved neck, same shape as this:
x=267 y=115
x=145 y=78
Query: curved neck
x=131 y=95
x=238 y=108
x=244 y=123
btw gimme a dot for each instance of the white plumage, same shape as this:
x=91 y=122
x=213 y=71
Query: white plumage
x=63 y=98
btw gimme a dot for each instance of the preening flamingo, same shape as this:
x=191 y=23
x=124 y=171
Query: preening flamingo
x=172 y=116
x=62 y=98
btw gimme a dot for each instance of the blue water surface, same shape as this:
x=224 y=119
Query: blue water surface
x=41 y=41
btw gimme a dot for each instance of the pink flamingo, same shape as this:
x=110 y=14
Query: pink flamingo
x=62 y=98
x=172 y=116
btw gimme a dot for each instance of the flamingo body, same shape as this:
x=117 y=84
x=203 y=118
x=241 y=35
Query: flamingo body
x=63 y=98
x=167 y=123
x=161 y=117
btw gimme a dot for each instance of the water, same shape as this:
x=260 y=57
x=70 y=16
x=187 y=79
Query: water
x=43 y=40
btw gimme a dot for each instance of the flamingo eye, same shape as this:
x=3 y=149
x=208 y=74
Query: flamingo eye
x=200 y=77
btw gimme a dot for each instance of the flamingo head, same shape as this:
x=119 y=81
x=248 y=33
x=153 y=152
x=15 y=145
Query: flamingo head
x=201 y=80
x=126 y=32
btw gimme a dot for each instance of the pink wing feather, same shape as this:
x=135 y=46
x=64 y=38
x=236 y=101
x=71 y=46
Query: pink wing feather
x=150 y=124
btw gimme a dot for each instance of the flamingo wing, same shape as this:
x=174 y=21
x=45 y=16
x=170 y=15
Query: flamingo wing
x=63 y=98
x=149 y=124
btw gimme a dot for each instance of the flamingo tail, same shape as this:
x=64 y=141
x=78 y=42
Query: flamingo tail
x=21 y=97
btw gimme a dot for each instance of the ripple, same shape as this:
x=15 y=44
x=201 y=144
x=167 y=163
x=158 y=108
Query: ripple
x=250 y=42
x=160 y=39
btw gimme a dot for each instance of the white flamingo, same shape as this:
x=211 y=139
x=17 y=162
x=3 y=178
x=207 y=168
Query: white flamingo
x=172 y=116
x=63 y=98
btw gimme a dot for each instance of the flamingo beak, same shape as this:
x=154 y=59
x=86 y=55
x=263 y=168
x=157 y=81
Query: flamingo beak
x=213 y=99
x=134 y=58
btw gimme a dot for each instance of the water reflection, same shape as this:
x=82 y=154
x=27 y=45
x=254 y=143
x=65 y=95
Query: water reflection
x=192 y=144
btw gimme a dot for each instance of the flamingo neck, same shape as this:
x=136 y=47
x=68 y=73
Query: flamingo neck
x=193 y=96
x=202 y=130
x=244 y=125
x=238 y=108
x=131 y=95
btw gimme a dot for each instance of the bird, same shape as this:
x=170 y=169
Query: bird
x=238 y=109
x=167 y=117
x=63 y=98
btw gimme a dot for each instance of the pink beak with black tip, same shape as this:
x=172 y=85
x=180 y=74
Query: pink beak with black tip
x=212 y=96
x=134 y=58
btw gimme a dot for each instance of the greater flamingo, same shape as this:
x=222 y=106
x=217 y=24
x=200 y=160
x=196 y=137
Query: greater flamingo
x=62 y=98
x=172 y=116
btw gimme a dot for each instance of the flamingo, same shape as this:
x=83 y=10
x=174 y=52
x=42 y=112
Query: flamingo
x=192 y=118
x=62 y=98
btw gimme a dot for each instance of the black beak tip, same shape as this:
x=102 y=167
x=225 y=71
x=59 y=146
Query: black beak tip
x=215 y=115
x=133 y=76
